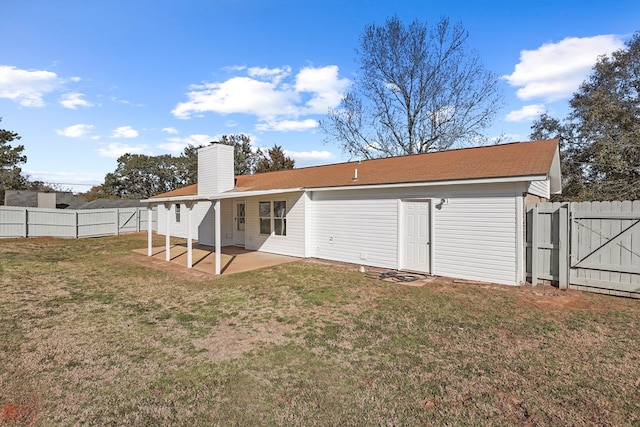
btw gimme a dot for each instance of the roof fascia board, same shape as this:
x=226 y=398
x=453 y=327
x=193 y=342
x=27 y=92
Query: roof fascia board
x=234 y=194
x=434 y=183
x=220 y=196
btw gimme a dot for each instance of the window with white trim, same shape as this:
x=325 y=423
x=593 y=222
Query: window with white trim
x=264 y=212
x=273 y=217
x=178 y=212
x=280 y=218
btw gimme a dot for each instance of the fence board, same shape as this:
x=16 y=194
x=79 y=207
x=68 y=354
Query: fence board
x=38 y=222
x=587 y=245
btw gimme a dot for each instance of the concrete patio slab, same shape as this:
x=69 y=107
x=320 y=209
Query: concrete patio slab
x=233 y=259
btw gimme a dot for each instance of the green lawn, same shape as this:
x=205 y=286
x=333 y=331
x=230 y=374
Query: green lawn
x=93 y=334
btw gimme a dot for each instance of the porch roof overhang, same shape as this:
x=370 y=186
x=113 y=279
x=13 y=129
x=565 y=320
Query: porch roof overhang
x=219 y=196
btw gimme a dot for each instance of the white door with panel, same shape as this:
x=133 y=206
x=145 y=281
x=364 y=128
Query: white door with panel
x=415 y=239
x=238 y=229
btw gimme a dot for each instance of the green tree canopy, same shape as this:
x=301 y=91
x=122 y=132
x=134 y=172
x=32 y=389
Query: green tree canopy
x=139 y=176
x=600 y=137
x=245 y=156
x=142 y=176
x=274 y=160
x=420 y=88
x=11 y=158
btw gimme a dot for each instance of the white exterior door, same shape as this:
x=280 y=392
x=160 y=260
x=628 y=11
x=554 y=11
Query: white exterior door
x=415 y=238
x=239 y=224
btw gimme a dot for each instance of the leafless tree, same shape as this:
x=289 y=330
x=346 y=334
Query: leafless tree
x=420 y=89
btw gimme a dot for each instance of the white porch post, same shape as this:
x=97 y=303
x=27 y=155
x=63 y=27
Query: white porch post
x=167 y=248
x=216 y=208
x=189 y=206
x=149 y=229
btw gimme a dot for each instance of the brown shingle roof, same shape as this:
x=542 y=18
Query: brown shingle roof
x=189 y=190
x=496 y=161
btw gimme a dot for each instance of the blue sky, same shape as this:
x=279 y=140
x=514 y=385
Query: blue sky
x=85 y=81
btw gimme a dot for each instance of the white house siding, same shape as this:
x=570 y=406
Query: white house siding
x=215 y=169
x=474 y=233
x=539 y=188
x=356 y=226
x=206 y=223
x=202 y=222
x=293 y=244
x=475 y=236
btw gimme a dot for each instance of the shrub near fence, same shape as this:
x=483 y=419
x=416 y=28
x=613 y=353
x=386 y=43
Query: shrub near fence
x=39 y=222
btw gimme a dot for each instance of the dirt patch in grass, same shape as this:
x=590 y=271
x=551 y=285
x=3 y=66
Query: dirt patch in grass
x=92 y=334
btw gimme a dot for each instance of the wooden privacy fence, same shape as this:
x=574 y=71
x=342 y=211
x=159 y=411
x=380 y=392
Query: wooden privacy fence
x=593 y=246
x=38 y=222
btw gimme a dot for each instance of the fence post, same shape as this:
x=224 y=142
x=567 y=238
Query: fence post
x=137 y=220
x=117 y=222
x=77 y=224
x=563 y=250
x=26 y=222
x=534 y=245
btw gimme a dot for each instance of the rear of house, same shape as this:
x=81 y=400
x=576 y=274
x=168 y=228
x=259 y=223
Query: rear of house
x=458 y=213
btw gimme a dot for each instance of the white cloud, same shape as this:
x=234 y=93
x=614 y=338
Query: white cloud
x=309 y=157
x=275 y=75
x=75 y=131
x=272 y=95
x=527 y=112
x=171 y=130
x=83 y=180
x=27 y=87
x=176 y=144
x=74 y=100
x=287 y=125
x=325 y=86
x=124 y=132
x=117 y=149
x=555 y=70
x=237 y=95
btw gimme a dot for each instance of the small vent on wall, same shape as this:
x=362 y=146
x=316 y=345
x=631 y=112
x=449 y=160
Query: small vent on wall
x=355 y=176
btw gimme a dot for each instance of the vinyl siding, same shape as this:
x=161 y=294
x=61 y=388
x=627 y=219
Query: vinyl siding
x=202 y=226
x=215 y=169
x=539 y=188
x=475 y=238
x=473 y=232
x=293 y=244
x=356 y=227
x=206 y=225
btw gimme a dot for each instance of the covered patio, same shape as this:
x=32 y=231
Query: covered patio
x=233 y=259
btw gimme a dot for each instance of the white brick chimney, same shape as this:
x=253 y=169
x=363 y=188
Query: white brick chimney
x=215 y=169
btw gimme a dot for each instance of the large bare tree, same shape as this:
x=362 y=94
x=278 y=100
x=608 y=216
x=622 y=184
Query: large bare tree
x=419 y=89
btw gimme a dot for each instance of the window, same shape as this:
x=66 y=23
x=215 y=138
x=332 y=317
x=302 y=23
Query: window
x=240 y=216
x=264 y=211
x=280 y=218
x=178 y=212
x=273 y=220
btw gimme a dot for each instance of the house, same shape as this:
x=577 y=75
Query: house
x=457 y=213
x=63 y=200
x=42 y=199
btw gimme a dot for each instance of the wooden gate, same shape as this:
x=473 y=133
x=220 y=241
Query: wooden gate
x=605 y=246
x=591 y=246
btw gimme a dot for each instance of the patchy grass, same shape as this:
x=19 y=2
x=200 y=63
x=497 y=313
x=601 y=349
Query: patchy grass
x=91 y=335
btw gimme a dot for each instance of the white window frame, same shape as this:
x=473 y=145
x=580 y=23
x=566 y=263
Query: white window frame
x=177 y=213
x=282 y=219
x=273 y=219
x=262 y=218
